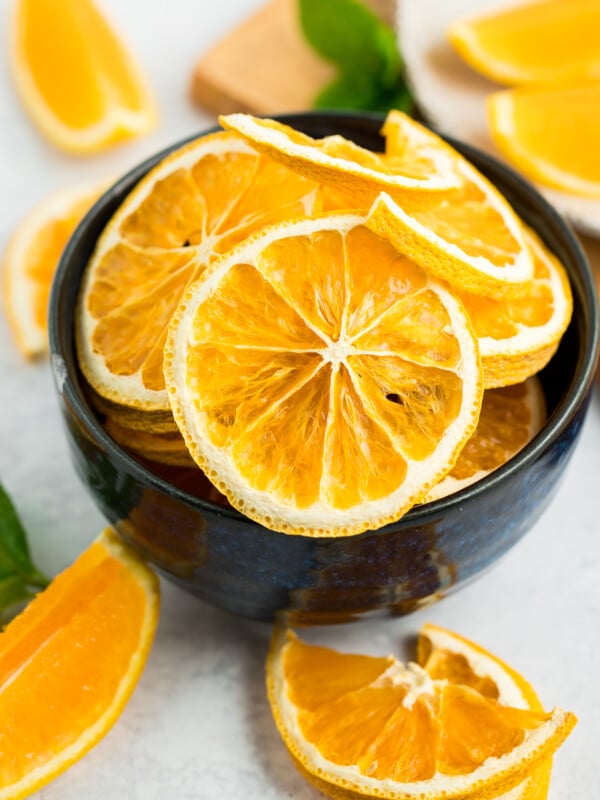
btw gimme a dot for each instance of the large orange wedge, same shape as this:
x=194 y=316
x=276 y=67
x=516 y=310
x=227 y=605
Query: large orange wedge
x=70 y=661
x=76 y=78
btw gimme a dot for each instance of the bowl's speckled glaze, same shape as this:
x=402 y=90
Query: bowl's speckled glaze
x=234 y=563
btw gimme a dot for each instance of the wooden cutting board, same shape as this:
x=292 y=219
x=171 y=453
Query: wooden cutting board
x=265 y=66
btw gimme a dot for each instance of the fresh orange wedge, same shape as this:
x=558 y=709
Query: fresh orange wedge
x=470 y=237
x=192 y=207
x=77 y=80
x=70 y=661
x=510 y=417
x=361 y=726
x=544 y=41
x=568 y=157
x=30 y=262
x=322 y=380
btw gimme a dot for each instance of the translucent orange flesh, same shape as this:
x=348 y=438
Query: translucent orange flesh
x=185 y=222
x=61 y=662
x=504 y=427
x=354 y=715
x=540 y=42
x=73 y=46
x=283 y=401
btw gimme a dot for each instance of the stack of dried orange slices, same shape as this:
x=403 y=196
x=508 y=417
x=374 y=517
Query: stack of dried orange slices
x=315 y=324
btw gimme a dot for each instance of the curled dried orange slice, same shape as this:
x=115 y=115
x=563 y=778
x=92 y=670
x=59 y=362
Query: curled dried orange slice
x=470 y=237
x=192 y=207
x=321 y=379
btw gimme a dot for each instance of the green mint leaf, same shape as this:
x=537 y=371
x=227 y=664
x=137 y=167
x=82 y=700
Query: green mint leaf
x=365 y=51
x=14 y=550
x=13 y=594
x=345 y=92
x=349 y=35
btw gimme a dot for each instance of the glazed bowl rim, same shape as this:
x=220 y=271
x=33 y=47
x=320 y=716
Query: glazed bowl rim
x=70 y=385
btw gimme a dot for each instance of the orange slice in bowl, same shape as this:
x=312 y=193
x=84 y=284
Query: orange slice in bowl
x=418 y=170
x=322 y=380
x=193 y=206
x=510 y=417
x=518 y=337
x=470 y=237
x=31 y=259
x=360 y=726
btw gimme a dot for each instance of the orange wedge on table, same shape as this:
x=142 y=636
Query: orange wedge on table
x=321 y=379
x=459 y=724
x=545 y=41
x=192 y=207
x=70 y=661
x=30 y=262
x=78 y=81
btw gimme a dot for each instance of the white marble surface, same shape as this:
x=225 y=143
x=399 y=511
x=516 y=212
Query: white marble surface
x=198 y=725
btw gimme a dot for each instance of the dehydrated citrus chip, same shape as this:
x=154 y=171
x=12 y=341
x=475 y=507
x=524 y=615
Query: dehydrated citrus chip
x=470 y=237
x=164 y=448
x=360 y=726
x=446 y=655
x=569 y=159
x=518 y=337
x=75 y=76
x=31 y=259
x=416 y=170
x=532 y=42
x=193 y=206
x=70 y=661
x=321 y=379
x=510 y=417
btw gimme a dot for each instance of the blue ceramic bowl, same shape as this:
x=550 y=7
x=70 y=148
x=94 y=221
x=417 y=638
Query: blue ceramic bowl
x=234 y=563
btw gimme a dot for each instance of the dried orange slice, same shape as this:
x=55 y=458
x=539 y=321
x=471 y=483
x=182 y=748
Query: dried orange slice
x=64 y=647
x=470 y=237
x=321 y=379
x=360 y=726
x=416 y=170
x=510 y=417
x=193 y=206
x=518 y=337
x=77 y=80
x=568 y=159
x=532 y=42
x=31 y=259
x=446 y=655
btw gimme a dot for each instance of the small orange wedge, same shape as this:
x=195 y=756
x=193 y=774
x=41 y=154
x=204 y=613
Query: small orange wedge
x=31 y=259
x=70 y=661
x=75 y=76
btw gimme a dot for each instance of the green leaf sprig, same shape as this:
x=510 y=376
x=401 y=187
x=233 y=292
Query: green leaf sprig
x=370 y=68
x=20 y=580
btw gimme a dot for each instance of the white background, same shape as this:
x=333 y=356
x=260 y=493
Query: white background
x=198 y=725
